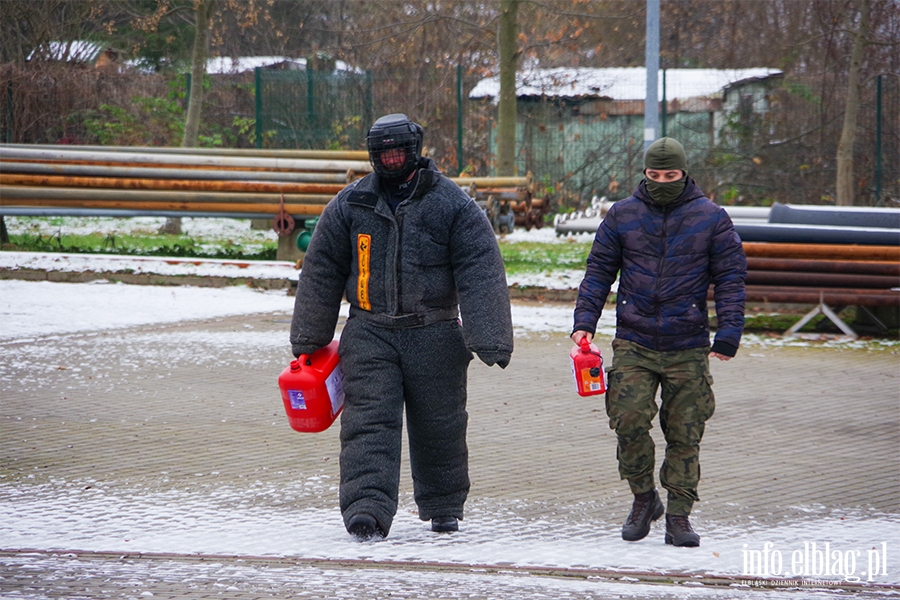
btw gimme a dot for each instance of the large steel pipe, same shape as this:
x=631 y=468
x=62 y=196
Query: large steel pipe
x=11 y=195
x=514 y=194
x=489 y=182
x=252 y=152
x=857 y=267
x=836 y=280
x=57 y=211
x=141 y=159
x=831 y=296
x=822 y=251
x=780 y=233
x=168 y=184
x=68 y=169
x=156 y=207
x=840 y=216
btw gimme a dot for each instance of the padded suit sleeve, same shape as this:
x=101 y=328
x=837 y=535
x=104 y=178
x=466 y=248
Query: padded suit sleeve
x=481 y=283
x=320 y=286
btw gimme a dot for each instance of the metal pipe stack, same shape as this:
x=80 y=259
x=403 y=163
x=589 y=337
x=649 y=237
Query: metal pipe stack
x=508 y=202
x=173 y=180
x=836 y=274
x=130 y=181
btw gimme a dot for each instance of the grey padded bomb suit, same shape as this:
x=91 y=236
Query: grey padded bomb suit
x=407 y=277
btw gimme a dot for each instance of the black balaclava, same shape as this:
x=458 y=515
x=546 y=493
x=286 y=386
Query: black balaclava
x=665 y=154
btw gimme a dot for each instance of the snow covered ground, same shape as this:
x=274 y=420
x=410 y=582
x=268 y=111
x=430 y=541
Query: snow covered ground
x=215 y=519
x=34 y=518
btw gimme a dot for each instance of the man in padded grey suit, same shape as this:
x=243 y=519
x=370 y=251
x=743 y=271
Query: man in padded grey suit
x=412 y=253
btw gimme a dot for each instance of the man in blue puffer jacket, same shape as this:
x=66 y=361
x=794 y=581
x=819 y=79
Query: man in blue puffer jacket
x=667 y=243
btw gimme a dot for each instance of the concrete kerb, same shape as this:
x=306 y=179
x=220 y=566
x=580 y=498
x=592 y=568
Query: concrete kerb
x=609 y=575
x=145 y=278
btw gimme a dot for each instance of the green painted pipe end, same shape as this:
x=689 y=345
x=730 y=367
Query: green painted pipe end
x=305 y=236
x=303 y=240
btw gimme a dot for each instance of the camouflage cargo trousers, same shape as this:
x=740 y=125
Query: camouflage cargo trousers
x=687 y=402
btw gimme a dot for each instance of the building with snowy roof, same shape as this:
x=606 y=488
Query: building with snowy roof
x=584 y=126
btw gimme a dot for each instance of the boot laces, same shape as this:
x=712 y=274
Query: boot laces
x=681 y=522
x=641 y=504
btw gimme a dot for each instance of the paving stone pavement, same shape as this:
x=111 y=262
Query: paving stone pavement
x=796 y=430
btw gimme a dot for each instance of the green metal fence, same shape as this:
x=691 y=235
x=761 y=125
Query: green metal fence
x=311 y=109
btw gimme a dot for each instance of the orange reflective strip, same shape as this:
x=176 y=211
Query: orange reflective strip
x=363 y=249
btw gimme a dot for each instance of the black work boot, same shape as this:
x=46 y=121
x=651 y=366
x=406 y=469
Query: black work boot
x=646 y=508
x=444 y=524
x=679 y=532
x=363 y=526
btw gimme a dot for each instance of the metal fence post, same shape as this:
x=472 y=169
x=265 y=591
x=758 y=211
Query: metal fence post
x=310 y=100
x=459 y=120
x=370 y=109
x=257 y=78
x=664 y=107
x=651 y=62
x=9 y=112
x=878 y=171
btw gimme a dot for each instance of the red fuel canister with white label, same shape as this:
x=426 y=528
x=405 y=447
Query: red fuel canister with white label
x=587 y=369
x=312 y=389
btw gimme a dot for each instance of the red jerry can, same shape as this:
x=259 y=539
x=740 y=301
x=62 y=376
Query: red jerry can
x=312 y=389
x=587 y=369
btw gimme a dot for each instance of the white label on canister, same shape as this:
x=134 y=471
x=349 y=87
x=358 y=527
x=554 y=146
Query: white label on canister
x=575 y=377
x=298 y=402
x=335 y=386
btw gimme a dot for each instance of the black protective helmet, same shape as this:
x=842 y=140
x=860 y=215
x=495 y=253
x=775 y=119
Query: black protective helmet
x=390 y=132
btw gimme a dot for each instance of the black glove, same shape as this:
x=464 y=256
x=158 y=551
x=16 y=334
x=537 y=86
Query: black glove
x=298 y=349
x=492 y=357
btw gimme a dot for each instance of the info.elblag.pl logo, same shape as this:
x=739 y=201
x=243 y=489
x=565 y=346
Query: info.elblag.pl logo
x=819 y=560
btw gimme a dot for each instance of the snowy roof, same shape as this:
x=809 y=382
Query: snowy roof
x=222 y=65
x=71 y=51
x=619 y=83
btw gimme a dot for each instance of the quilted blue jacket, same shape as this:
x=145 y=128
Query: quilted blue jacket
x=666 y=258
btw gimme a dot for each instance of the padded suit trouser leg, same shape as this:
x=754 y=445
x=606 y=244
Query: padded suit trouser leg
x=424 y=370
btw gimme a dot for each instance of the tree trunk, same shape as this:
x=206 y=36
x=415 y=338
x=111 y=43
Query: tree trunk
x=198 y=71
x=506 y=109
x=845 y=185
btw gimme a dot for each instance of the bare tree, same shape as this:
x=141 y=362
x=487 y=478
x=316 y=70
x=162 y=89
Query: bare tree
x=506 y=109
x=845 y=183
x=203 y=11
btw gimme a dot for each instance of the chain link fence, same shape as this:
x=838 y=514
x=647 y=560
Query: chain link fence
x=769 y=140
x=766 y=140
x=311 y=109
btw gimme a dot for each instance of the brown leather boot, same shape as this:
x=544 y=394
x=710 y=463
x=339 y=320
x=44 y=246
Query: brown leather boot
x=646 y=508
x=680 y=533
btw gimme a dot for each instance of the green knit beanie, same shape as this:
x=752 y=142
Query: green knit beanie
x=665 y=154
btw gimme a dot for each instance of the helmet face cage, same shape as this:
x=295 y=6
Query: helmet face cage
x=394 y=132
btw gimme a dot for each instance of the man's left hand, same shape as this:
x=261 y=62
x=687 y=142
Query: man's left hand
x=720 y=356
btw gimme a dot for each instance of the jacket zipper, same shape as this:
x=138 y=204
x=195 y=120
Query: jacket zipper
x=398 y=287
x=662 y=259
x=398 y=218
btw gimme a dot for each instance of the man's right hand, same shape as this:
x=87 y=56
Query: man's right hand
x=576 y=336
